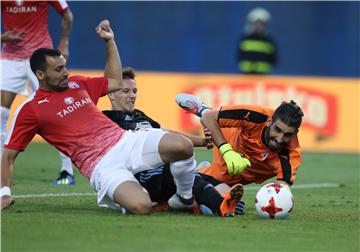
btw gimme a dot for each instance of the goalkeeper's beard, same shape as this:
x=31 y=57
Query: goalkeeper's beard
x=270 y=139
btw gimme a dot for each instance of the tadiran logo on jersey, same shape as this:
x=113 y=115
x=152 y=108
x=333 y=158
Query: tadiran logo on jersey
x=73 y=105
x=20 y=8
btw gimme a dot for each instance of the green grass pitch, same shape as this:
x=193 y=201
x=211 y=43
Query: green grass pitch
x=323 y=219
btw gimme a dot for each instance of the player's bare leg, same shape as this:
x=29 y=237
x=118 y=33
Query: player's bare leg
x=133 y=197
x=7 y=98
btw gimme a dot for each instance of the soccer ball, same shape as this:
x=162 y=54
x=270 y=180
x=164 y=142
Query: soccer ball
x=274 y=201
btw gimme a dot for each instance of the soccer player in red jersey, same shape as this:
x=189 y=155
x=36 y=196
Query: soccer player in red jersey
x=26 y=29
x=255 y=143
x=63 y=111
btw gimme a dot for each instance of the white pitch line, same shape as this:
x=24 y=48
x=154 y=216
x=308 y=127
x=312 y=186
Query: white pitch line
x=45 y=195
x=301 y=186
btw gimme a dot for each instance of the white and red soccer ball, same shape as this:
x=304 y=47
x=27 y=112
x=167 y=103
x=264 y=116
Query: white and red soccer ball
x=274 y=201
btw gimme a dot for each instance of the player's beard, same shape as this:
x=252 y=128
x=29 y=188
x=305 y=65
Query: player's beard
x=63 y=85
x=276 y=148
x=53 y=84
x=268 y=139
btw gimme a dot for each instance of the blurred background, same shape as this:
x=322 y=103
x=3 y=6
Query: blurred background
x=314 y=38
x=192 y=47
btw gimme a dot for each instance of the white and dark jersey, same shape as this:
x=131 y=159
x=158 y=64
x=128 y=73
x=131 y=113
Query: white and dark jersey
x=136 y=120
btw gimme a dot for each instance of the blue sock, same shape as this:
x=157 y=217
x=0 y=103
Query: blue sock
x=240 y=208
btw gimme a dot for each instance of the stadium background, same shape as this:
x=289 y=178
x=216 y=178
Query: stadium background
x=315 y=38
x=191 y=47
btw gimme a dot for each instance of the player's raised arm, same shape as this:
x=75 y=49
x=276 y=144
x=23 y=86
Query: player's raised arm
x=66 y=25
x=7 y=165
x=113 y=69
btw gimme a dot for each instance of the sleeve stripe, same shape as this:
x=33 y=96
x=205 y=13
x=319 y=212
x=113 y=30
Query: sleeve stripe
x=243 y=114
x=286 y=167
x=63 y=4
x=60 y=5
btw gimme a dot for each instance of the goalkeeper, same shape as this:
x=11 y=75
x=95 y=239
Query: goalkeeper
x=255 y=143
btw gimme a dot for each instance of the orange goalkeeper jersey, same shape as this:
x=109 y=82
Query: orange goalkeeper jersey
x=243 y=128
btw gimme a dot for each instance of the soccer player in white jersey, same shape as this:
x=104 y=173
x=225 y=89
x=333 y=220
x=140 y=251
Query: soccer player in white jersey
x=63 y=111
x=26 y=29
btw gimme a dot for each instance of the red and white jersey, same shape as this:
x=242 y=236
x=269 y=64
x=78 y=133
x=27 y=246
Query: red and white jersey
x=68 y=120
x=30 y=17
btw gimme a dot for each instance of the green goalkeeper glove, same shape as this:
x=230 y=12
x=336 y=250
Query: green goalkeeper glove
x=235 y=162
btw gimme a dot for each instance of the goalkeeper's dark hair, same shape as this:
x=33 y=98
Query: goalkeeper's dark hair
x=289 y=113
x=38 y=58
x=128 y=73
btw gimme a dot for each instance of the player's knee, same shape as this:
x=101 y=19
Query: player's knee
x=185 y=148
x=175 y=147
x=141 y=207
x=133 y=198
x=7 y=99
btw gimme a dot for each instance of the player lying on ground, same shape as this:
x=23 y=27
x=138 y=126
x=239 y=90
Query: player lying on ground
x=159 y=182
x=254 y=143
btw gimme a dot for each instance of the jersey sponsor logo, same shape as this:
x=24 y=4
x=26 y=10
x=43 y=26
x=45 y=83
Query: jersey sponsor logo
x=20 y=9
x=143 y=126
x=19 y=2
x=69 y=100
x=73 y=85
x=73 y=105
x=43 y=101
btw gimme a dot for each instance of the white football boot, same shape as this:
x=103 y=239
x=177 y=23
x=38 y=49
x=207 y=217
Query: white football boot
x=178 y=202
x=191 y=104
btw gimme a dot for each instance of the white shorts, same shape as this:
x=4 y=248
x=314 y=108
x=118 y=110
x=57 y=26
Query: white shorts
x=14 y=77
x=135 y=152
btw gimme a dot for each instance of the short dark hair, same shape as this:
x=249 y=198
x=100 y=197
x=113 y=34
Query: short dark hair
x=38 y=58
x=128 y=73
x=289 y=113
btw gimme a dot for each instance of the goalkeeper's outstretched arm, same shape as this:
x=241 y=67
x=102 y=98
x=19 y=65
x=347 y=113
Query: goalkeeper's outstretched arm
x=209 y=121
x=236 y=163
